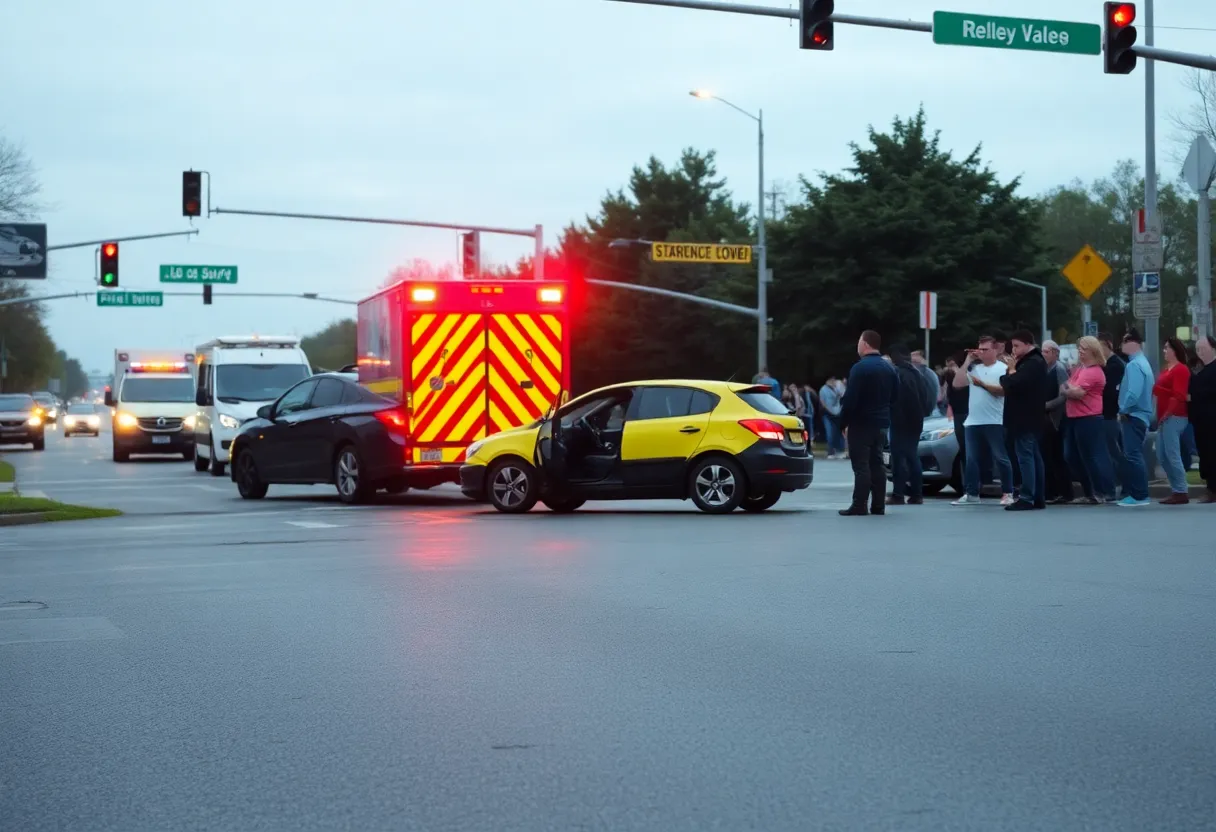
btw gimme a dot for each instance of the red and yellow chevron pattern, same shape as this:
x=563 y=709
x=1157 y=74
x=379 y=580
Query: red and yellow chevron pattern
x=525 y=367
x=448 y=383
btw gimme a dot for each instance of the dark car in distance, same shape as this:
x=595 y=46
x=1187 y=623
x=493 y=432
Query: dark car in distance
x=325 y=429
x=22 y=421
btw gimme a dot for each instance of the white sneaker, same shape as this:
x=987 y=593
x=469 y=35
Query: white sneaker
x=967 y=500
x=1006 y=499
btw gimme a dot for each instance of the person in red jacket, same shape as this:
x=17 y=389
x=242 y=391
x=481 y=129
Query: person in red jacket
x=1171 y=390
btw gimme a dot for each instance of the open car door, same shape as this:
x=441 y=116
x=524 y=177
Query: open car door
x=552 y=452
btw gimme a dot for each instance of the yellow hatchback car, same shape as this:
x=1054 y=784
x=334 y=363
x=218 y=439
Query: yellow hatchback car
x=723 y=445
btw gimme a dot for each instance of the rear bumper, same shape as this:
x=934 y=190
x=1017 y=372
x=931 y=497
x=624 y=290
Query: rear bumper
x=769 y=467
x=473 y=481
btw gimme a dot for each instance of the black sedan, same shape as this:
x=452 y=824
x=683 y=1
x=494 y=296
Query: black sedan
x=326 y=429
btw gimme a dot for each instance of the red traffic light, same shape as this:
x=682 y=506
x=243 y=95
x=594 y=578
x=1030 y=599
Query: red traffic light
x=1123 y=15
x=110 y=249
x=819 y=38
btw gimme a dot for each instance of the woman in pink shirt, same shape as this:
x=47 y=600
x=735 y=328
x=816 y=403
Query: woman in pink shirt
x=1085 y=437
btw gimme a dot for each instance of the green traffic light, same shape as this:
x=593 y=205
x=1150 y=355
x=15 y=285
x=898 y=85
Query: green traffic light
x=107 y=279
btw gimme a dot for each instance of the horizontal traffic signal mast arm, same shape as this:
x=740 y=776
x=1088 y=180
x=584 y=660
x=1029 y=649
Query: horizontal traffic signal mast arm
x=463 y=226
x=122 y=239
x=1169 y=56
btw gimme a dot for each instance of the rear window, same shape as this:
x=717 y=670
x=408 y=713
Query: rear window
x=765 y=402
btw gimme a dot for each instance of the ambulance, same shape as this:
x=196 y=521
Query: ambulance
x=466 y=359
x=152 y=402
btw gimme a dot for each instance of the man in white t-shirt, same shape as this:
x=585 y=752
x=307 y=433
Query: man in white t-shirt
x=984 y=427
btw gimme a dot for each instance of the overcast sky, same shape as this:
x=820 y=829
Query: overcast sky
x=485 y=112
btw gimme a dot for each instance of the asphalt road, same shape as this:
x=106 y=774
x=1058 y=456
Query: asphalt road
x=206 y=663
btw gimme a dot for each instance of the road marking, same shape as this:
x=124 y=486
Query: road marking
x=214 y=488
x=308 y=524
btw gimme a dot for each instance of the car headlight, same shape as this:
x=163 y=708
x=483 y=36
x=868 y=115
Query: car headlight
x=94 y=421
x=125 y=420
x=472 y=450
x=52 y=413
x=229 y=422
x=188 y=423
x=934 y=435
x=34 y=421
x=69 y=421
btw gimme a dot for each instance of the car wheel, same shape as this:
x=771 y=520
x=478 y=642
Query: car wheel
x=248 y=482
x=348 y=477
x=201 y=463
x=560 y=506
x=513 y=486
x=214 y=465
x=762 y=503
x=716 y=485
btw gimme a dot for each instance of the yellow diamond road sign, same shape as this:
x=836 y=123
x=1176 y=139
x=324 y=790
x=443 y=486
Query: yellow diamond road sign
x=1087 y=272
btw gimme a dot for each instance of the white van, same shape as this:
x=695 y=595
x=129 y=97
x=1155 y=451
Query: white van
x=237 y=374
x=151 y=403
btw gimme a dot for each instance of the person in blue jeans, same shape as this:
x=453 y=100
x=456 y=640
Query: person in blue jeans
x=1024 y=387
x=985 y=423
x=1135 y=414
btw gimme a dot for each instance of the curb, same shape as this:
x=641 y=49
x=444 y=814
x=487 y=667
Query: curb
x=25 y=518
x=1161 y=490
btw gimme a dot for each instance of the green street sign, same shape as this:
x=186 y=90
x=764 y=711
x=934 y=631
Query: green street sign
x=960 y=29
x=105 y=298
x=198 y=274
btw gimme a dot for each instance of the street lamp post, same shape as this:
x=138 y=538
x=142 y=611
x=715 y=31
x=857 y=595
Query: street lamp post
x=762 y=270
x=1043 y=309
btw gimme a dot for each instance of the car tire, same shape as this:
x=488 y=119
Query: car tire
x=762 y=503
x=512 y=486
x=214 y=465
x=716 y=485
x=201 y=463
x=352 y=486
x=248 y=482
x=558 y=506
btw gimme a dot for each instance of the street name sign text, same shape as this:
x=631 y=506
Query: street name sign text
x=962 y=29
x=109 y=298
x=700 y=253
x=198 y=274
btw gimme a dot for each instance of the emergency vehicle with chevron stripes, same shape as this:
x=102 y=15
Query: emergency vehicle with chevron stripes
x=466 y=359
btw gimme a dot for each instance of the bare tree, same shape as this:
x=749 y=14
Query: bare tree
x=1199 y=117
x=19 y=187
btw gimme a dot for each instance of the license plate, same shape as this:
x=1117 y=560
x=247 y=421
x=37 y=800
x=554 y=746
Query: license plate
x=160 y=440
x=886 y=458
x=432 y=455
x=796 y=437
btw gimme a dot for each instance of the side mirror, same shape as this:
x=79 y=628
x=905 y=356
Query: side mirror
x=109 y=399
x=201 y=399
x=266 y=412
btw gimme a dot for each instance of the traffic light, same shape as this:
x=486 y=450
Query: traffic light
x=206 y=294
x=1118 y=38
x=109 y=265
x=470 y=254
x=192 y=193
x=815 y=24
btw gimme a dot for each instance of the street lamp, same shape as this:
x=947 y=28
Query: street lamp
x=762 y=271
x=1043 y=309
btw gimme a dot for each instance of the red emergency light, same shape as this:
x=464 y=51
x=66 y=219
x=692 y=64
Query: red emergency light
x=158 y=366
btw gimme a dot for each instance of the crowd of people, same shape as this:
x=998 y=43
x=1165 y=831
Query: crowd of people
x=1023 y=419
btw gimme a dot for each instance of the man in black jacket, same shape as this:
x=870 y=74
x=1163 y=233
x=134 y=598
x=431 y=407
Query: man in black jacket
x=1024 y=387
x=907 y=422
x=865 y=414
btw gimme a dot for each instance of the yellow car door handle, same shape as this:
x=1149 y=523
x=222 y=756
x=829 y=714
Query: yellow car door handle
x=690 y=429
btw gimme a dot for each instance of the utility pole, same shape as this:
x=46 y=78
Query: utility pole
x=1152 y=335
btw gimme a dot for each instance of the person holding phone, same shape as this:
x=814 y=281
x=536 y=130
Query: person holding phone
x=985 y=422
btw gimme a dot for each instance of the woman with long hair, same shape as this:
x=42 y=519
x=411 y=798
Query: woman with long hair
x=1085 y=445
x=1171 y=390
x=1202 y=413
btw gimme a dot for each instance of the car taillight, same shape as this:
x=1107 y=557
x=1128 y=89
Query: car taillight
x=765 y=429
x=396 y=420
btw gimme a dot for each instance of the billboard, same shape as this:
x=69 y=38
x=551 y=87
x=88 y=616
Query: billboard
x=23 y=250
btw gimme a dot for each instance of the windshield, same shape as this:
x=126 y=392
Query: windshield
x=11 y=403
x=44 y=399
x=81 y=409
x=256 y=382
x=159 y=390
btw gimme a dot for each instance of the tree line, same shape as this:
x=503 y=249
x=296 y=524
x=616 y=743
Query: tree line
x=29 y=358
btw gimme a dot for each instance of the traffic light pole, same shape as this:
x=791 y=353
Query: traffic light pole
x=182 y=293
x=1152 y=334
x=536 y=233
x=668 y=293
x=1196 y=60
x=123 y=239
